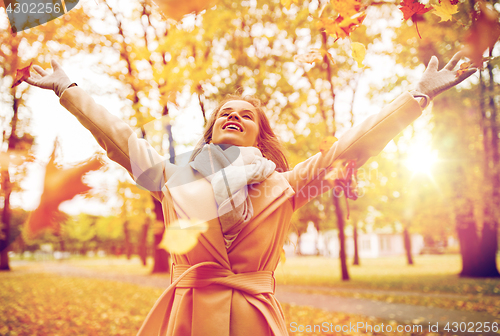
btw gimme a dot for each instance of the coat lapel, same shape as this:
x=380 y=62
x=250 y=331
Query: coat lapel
x=193 y=198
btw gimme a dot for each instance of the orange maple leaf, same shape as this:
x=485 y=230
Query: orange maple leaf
x=347 y=8
x=463 y=68
x=59 y=185
x=341 y=27
x=482 y=35
x=411 y=8
x=21 y=74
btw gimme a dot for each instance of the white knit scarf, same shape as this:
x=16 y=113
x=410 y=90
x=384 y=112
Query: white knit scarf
x=230 y=169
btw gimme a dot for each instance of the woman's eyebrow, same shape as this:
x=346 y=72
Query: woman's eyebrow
x=230 y=108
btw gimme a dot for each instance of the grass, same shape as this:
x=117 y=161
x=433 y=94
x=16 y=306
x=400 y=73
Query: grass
x=429 y=274
x=36 y=304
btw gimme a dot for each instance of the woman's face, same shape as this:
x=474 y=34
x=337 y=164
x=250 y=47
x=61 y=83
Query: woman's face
x=237 y=123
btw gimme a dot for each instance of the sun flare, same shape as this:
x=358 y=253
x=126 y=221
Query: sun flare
x=421 y=159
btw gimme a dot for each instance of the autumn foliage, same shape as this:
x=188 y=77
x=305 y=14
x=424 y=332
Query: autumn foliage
x=60 y=184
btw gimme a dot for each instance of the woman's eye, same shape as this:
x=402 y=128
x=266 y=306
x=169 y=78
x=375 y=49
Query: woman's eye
x=247 y=116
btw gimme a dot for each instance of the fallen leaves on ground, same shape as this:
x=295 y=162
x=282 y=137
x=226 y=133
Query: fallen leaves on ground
x=36 y=304
x=472 y=303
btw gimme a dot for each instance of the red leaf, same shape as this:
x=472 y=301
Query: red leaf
x=21 y=74
x=412 y=7
x=482 y=35
x=59 y=185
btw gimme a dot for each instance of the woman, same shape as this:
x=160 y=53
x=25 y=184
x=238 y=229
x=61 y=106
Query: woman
x=225 y=284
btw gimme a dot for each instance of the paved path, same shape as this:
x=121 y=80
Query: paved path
x=402 y=313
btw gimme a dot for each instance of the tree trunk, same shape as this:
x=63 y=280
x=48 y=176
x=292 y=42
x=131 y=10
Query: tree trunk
x=341 y=225
x=355 y=234
x=128 y=245
x=7 y=188
x=161 y=264
x=469 y=243
x=143 y=245
x=407 y=243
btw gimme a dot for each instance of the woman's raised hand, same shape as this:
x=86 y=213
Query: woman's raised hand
x=57 y=80
x=433 y=82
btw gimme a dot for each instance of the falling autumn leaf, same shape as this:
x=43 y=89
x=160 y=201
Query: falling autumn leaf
x=347 y=8
x=59 y=185
x=314 y=55
x=483 y=33
x=358 y=53
x=288 y=3
x=181 y=236
x=177 y=9
x=327 y=143
x=463 y=68
x=445 y=10
x=411 y=8
x=21 y=75
x=341 y=27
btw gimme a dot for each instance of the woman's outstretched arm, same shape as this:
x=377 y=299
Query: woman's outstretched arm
x=374 y=133
x=122 y=145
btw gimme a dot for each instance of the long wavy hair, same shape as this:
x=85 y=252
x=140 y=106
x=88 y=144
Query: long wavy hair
x=269 y=144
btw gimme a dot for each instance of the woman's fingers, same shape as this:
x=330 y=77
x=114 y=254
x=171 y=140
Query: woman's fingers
x=40 y=70
x=454 y=60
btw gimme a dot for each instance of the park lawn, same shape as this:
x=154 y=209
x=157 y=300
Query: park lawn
x=33 y=304
x=429 y=274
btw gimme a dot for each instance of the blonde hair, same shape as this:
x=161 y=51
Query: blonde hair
x=267 y=140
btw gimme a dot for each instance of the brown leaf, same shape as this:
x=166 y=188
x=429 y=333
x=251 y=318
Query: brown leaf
x=59 y=185
x=483 y=34
x=21 y=75
x=463 y=68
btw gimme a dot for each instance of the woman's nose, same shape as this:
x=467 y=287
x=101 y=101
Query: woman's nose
x=233 y=115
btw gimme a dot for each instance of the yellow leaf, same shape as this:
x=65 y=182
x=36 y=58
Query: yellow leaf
x=282 y=256
x=445 y=10
x=314 y=55
x=176 y=9
x=181 y=236
x=327 y=143
x=358 y=53
x=288 y=3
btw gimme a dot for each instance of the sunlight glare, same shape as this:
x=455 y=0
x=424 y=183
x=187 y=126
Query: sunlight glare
x=421 y=159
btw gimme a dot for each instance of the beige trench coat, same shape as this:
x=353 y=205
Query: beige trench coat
x=222 y=292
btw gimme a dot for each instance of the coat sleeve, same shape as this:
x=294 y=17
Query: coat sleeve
x=122 y=145
x=360 y=142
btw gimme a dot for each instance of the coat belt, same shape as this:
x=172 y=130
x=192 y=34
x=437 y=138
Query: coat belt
x=211 y=273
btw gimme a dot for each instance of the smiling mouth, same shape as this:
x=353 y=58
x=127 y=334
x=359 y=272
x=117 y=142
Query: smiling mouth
x=233 y=127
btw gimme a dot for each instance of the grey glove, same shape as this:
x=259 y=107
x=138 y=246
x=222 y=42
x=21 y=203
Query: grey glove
x=57 y=80
x=433 y=82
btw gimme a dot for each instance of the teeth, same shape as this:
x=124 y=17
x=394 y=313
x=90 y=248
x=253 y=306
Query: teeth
x=234 y=127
